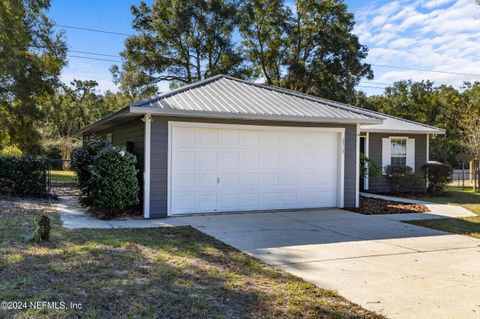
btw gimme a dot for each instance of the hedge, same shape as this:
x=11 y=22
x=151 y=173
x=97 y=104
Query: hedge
x=23 y=176
x=114 y=181
x=438 y=176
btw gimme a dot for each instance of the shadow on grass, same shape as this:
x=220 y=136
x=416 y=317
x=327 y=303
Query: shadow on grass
x=156 y=273
x=469 y=226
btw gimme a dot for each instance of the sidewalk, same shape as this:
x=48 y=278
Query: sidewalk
x=74 y=216
x=436 y=211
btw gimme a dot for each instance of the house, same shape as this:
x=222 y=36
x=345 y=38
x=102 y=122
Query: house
x=224 y=144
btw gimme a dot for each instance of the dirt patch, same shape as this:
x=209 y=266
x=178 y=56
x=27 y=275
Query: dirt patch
x=376 y=206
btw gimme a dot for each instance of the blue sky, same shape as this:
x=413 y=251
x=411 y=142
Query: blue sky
x=441 y=35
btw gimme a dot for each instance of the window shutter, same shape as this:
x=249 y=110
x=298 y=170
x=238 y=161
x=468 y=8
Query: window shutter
x=386 y=152
x=411 y=153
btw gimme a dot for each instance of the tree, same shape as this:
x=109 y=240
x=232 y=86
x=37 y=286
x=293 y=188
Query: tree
x=31 y=58
x=179 y=41
x=470 y=126
x=324 y=56
x=263 y=25
x=310 y=49
x=73 y=107
x=425 y=103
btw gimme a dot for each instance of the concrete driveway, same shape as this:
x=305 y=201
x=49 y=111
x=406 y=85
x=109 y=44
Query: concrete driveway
x=393 y=268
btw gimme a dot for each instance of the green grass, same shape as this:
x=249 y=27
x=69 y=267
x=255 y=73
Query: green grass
x=63 y=176
x=174 y=272
x=469 y=226
x=456 y=196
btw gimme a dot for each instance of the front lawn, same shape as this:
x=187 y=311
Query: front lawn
x=63 y=176
x=469 y=226
x=456 y=196
x=147 y=273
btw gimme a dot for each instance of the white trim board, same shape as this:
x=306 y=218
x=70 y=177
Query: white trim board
x=357 y=167
x=146 y=168
x=341 y=150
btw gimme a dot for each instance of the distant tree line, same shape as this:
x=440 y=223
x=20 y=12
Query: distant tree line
x=442 y=106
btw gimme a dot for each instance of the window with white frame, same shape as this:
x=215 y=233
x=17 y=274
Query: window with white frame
x=398 y=151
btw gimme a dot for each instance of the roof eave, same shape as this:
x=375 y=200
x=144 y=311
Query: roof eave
x=244 y=116
x=91 y=127
x=386 y=131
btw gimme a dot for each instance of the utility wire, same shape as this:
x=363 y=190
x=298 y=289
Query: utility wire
x=92 y=30
x=377 y=65
x=421 y=70
x=94 y=53
x=371 y=87
x=91 y=58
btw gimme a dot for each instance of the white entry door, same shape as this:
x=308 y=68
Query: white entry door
x=243 y=168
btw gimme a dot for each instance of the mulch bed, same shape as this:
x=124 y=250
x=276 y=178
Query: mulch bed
x=375 y=206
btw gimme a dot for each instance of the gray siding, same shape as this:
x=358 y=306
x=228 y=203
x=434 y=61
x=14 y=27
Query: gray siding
x=375 y=153
x=132 y=131
x=159 y=168
x=159 y=157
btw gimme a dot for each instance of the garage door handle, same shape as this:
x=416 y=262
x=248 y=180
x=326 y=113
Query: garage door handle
x=218 y=180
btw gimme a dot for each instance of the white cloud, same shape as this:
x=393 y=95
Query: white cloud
x=441 y=35
x=435 y=3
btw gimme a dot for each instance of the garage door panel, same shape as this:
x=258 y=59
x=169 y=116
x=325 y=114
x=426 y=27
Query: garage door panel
x=249 y=160
x=269 y=159
x=229 y=160
x=206 y=202
x=249 y=138
x=207 y=160
x=185 y=136
x=250 y=179
x=270 y=138
x=228 y=180
x=269 y=199
x=231 y=169
x=228 y=201
x=230 y=137
x=207 y=136
x=184 y=181
x=207 y=179
x=249 y=200
x=185 y=159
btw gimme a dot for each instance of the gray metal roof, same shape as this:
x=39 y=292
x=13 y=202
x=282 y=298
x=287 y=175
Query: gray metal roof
x=224 y=96
x=392 y=124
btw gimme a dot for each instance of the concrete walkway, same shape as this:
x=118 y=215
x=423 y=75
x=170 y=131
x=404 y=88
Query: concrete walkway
x=75 y=216
x=436 y=211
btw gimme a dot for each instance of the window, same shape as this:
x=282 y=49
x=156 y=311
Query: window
x=398 y=151
x=109 y=137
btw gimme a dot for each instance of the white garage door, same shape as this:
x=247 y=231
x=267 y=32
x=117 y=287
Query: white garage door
x=239 y=168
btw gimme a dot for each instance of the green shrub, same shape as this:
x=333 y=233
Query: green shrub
x=374 y=170
x=82 y=159
x=23 y=176
x=11 y=150
x=114 y=181
x=438 y=176
x=402 y=178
